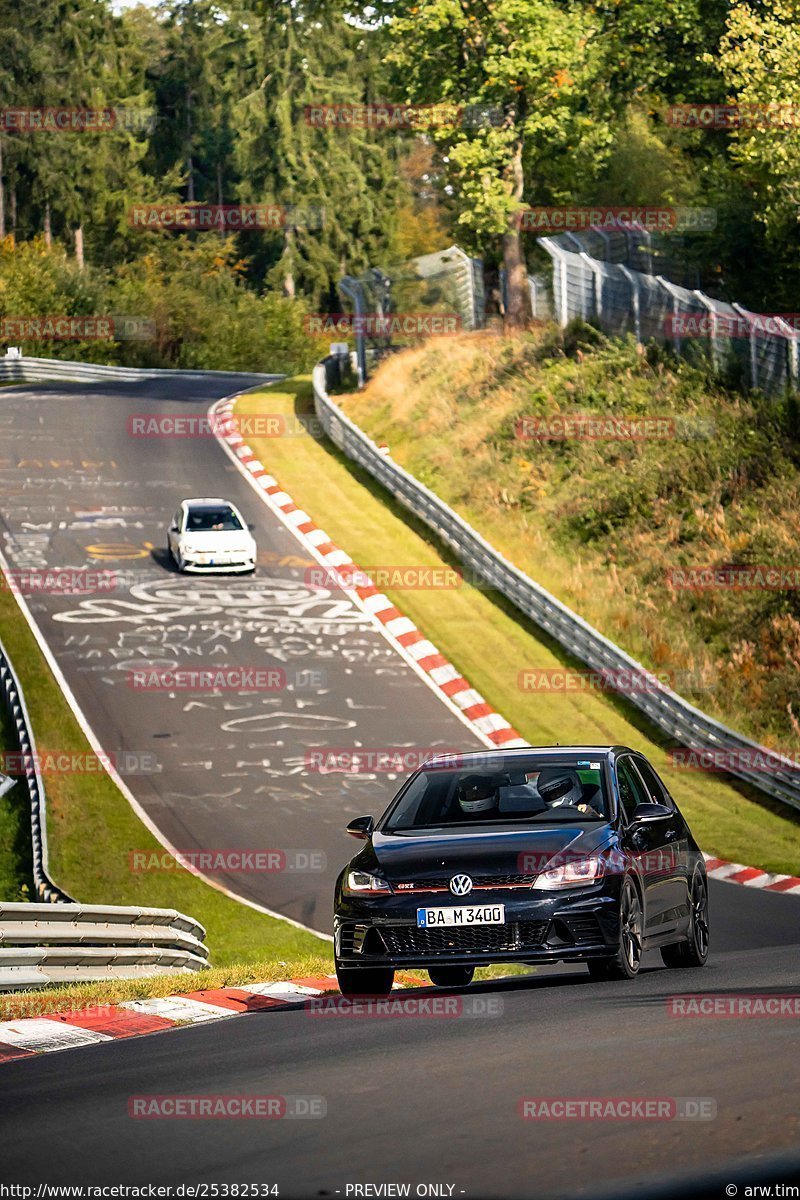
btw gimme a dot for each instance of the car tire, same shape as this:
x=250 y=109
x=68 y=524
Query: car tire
x=365 y=981
x=694 y=951
x=450 y=977
x=626 y=962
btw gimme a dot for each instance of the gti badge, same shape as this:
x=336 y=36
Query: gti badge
x=460 y=885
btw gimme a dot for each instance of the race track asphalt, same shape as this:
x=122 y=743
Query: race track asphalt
x=415 y=1099
x=215 y=771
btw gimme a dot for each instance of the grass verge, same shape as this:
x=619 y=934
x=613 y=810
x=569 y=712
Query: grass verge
x=16 y=863
x=490 y=642
x=74 y=997
x=92 y=830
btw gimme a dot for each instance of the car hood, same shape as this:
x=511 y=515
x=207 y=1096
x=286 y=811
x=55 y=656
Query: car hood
x=217 y=539
x=418 y=853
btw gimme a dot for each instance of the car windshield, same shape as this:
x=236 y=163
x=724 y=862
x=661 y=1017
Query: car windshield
x=541 y=789
x=203 y=520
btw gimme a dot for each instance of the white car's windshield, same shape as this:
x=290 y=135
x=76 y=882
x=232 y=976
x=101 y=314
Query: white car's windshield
x=204 y=520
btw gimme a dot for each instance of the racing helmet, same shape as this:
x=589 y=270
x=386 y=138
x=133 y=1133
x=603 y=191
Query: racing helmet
x=477 y=793
x=559 y=787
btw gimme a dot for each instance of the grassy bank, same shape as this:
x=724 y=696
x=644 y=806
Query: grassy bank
x=76 y=996
x=607 y=524
x=92 y=830
x=15 y=828
x=489 y=642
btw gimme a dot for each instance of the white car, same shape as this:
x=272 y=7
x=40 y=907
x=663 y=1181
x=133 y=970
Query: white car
x=210 y=535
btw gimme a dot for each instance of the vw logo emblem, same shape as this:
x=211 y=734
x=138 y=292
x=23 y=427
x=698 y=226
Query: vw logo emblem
x=460 y=885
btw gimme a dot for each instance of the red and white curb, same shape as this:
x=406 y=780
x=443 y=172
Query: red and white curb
x=729 y=872
x=28 y=1036
x=492 y=728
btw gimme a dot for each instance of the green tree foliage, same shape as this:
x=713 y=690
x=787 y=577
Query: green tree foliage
x=564 y=102
x=192 y=292
x=528 y=64
x=760 y=63
x=342 y=180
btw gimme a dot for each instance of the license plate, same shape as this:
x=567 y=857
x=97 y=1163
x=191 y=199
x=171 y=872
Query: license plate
x=475 y=914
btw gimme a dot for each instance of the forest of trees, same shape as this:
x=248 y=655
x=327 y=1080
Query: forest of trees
x=210 y=104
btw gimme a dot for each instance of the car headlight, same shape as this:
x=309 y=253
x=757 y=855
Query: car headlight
x=571 y=874
x=360 y=881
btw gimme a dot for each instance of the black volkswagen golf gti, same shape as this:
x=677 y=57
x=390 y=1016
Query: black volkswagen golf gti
x=560 y=854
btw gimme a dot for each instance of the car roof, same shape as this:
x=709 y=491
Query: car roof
x=479 y=757
x=207 y=501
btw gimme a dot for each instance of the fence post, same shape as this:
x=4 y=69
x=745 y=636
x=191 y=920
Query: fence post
x=597 y=283
x=743 y=312
x=708 y=305
x=637 y=317
x=559 y=272
x=676 y=308
x=793 y=359
x=351 y=288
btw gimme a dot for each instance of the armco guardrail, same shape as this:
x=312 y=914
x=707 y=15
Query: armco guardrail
x=773 y=774
x=12 y=697
x=62 y=943
x=43 y=370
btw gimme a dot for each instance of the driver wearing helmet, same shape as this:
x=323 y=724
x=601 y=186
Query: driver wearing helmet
x=560 y=787
x=477 y=794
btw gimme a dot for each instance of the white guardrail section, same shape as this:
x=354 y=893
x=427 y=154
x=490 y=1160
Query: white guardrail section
x=64 y=943
x=18 y=369
x=771 y=773
x=14 y=701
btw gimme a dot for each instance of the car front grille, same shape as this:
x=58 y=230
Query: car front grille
x=439 y=883
x=488 y=939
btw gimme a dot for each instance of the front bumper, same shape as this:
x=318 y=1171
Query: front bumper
x=218 y=568
x=566 y=927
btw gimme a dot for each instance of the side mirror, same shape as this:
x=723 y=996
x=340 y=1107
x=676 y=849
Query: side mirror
x=361 y=828
x=173 y=528
x=652 y=812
